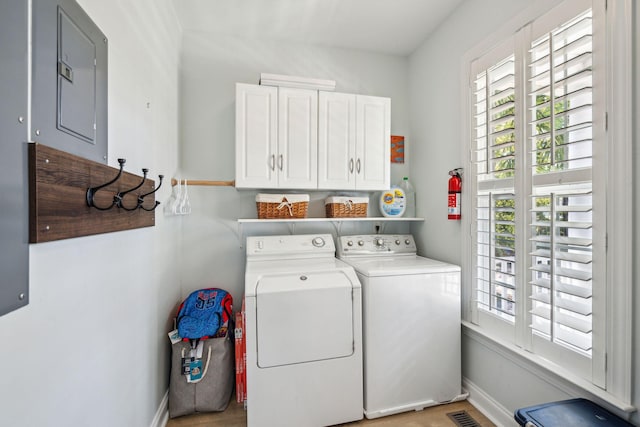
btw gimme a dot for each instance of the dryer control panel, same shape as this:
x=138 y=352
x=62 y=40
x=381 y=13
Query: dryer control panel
x=290 y=247
x=376 y=244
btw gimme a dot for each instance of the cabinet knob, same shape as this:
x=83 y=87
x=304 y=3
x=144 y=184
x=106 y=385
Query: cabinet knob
x=358 y=166
x=351 y=165
x=280 y=162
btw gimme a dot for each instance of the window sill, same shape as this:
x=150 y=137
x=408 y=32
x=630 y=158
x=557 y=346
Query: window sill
x=548 y=371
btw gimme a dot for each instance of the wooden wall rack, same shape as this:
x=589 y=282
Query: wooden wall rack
x=58 y=207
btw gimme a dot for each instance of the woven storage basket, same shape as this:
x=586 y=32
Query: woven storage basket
x=346 y=207
x=282 y=206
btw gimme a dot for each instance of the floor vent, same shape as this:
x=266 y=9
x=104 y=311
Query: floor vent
x=462 y=419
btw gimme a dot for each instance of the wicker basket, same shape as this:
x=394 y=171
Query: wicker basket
x=282 y=206
x=346 y=207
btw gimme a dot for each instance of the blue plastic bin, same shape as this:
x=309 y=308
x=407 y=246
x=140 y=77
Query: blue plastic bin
x=568 y=413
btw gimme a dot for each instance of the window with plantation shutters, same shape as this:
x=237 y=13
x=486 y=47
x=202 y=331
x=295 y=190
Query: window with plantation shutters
x=547 y=200
x=534 y=246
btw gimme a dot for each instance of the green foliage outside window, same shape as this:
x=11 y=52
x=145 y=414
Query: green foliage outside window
x=505 y=233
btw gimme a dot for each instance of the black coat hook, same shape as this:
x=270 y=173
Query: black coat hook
x=118 y=197
x=142 y=196
x=91 y=192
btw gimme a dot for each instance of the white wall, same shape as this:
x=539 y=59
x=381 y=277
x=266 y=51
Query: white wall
x=211 y=65
x=499 y=378
x=91 y=346
x=436 y=109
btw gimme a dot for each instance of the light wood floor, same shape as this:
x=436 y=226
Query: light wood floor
x=435 y=416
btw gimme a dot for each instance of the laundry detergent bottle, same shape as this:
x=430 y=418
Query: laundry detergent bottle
x=392 y=202
x=410 y=198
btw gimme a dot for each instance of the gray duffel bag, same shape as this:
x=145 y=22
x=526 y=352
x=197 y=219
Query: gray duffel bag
x=213 y=391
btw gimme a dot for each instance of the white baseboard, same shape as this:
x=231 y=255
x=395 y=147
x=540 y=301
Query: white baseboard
x=162 y=414
x=493 y=410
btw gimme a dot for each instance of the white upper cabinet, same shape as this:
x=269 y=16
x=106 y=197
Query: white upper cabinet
x=256 y=136
x=336 y=140
x=276 y=137
x=291 y=138
x=354 y=142
x=297 y=138
x=373 y=143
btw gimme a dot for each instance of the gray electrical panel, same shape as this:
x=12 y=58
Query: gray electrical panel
x=68 y=112
x=69 y=106
x=14 y=201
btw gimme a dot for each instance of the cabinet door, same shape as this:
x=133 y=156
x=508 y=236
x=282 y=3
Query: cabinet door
x=373 y=142
x=336 y=141
x=297 y=159
x=256 y=136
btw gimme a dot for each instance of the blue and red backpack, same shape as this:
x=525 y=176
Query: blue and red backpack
x=204 y=314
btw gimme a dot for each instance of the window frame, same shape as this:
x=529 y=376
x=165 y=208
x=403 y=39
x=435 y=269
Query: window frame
x=613 y=381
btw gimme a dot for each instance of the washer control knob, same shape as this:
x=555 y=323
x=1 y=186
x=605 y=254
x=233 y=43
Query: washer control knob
x=407 y=242
x=318 y=242
x=350 y=243
x=360 y=242
x=379 y=241
x=397 y=241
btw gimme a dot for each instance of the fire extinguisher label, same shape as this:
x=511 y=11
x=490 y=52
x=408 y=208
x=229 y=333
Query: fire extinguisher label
x=454 y=204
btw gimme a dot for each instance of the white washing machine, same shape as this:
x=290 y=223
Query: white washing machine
x=411 y=324
x=304 y=333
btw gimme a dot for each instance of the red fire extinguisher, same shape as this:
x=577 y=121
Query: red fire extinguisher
x=455 y=188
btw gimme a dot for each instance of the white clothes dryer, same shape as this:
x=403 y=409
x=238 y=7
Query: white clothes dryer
x=304 y=333
x=411 y=324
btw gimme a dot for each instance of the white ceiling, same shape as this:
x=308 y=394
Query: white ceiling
x=385 y=26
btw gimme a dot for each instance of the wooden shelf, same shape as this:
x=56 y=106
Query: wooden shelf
x=293 y=220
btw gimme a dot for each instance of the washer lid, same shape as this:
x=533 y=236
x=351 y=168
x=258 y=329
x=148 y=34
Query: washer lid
x=303 y=318
x=401 y=265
